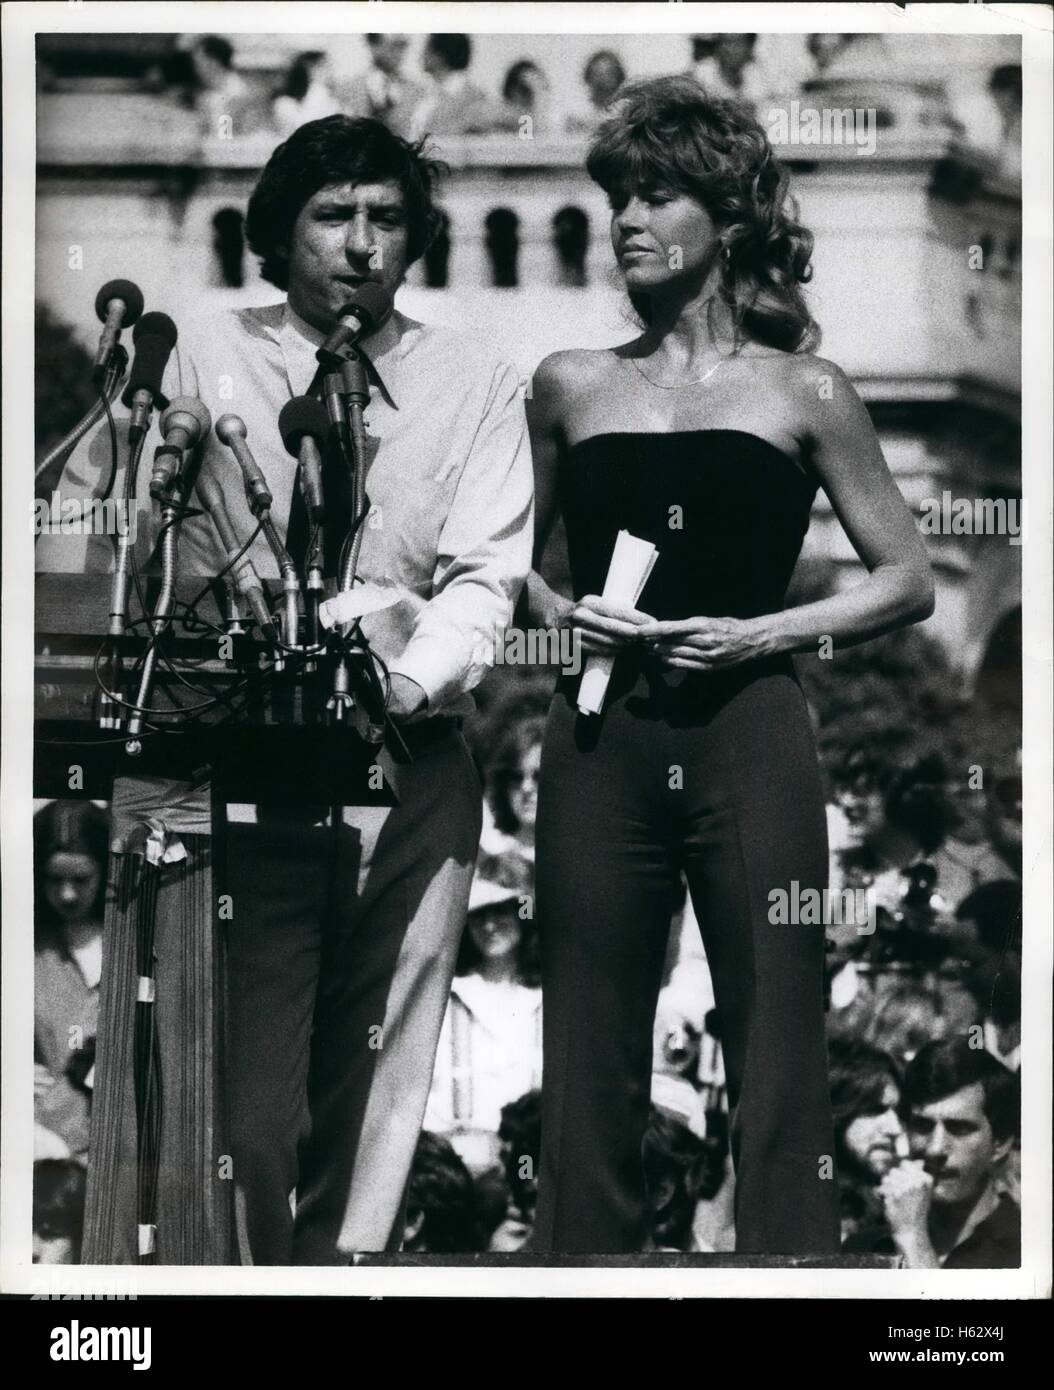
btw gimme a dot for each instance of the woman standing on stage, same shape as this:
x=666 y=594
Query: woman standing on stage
x=707 y=435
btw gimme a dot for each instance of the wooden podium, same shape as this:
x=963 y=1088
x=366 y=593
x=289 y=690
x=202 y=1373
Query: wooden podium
x=160 y=1178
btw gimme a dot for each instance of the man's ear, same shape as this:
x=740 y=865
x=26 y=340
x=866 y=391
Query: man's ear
x=1002 y=1149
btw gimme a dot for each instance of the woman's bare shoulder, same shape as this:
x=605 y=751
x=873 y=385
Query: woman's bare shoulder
x=571 y=368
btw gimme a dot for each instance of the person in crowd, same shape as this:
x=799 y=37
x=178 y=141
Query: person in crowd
x=823 y=49
x=520 y=1133
x=507 y=843
x=602 y=77
x=704 y=759
x=731 y=70
x=678 y=1064
x=384 y=91
x=490 y=1046
x=59 y=1187
x=307 y=94
x=220 y=93
x=902 y=1008
x=1005 y=88
x=714 y=1224
x=988 y=119
x=454 y=105
x=992 y=916
x=1003 y=806
x=674 y=1159
x=869 y=1136
x=70 y=843
x=961 y=1109
x=441 y=1208
x=903 y=817
x=527 y=92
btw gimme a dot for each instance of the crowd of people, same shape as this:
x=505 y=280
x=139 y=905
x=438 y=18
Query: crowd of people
x=443 y=98
x=924 y=1020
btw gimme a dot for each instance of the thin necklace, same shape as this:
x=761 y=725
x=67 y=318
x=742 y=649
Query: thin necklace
x=678 y=385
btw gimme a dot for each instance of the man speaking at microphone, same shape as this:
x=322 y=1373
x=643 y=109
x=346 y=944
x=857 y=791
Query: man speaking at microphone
x=343 y=941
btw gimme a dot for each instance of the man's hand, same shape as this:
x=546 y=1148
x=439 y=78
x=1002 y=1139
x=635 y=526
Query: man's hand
x=906 y=1192
x=406 y=697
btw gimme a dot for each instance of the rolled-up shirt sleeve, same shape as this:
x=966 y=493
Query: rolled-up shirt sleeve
x=483 y=555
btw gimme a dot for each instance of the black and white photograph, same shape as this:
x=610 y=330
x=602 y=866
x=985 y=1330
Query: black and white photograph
x=527 y=690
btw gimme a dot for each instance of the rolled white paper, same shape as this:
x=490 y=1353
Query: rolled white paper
x=356 y=603
x=632 y=561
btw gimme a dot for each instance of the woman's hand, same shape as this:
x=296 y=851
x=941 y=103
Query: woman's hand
x=604 y=627
x=704 y=644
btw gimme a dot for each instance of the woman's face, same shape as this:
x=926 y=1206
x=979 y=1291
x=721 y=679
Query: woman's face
x=71 y=883
x=496 y=933
x=523 y=790
x=661 y=238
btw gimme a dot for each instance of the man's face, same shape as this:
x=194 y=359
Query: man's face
x=955 y=1143
x=872 y=1137
x=346 y=234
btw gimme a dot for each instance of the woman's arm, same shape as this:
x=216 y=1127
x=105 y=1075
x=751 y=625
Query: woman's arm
x=545 y=426
x=899 y=586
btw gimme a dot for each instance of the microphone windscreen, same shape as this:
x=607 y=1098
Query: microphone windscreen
x=125 y=290
x=155 y=336
x=158 y=326
x=301 y=416
x=184 y=406
x=371 y=301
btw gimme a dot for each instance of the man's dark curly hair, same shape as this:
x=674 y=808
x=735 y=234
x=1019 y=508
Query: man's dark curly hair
x=335 y=150
x=941 y=1068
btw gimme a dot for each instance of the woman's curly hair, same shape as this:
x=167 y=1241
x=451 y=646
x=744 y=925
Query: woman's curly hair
x=335 y=150
x=667 y=133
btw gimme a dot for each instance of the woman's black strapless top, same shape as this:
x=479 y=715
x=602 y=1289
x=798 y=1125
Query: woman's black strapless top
x=727 y=512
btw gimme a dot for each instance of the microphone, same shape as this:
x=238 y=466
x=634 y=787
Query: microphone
x=303 y=425
x=118 y=305
x=185 y=423
x=154 y=337
x=243 y=572
x=366 y=310
x=230 y=430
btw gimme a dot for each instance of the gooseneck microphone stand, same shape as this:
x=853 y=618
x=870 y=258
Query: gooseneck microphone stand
x=346 y=394
x=55 y=459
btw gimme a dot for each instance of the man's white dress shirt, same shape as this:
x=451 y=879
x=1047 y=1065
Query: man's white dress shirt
x=449 y=480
